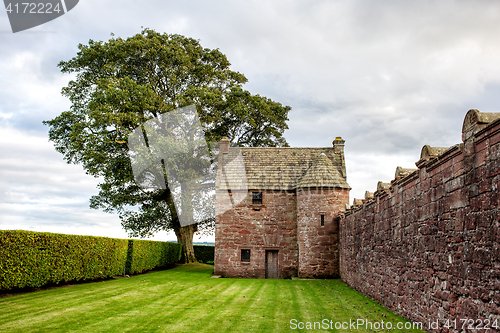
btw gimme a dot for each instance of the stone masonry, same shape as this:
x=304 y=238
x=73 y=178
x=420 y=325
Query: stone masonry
x=319 y=245
x=279 y=220
x=427 y=245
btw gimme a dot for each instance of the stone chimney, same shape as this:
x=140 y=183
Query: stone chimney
x=338 y=145
x=338 y=148
x=224 y=145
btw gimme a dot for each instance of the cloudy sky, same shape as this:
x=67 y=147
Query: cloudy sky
x=387 y=76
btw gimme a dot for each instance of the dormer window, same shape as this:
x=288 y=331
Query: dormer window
x=256 y=198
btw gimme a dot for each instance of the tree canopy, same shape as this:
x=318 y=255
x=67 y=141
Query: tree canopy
x=122 y=83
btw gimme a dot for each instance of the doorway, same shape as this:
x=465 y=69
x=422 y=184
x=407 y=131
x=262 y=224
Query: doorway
x=271 y=264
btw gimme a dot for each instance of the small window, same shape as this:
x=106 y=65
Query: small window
x=322 y=220
x=245 y=255
x=256 y=198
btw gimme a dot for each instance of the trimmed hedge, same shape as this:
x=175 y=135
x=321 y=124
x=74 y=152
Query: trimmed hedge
x=144 y=255
x=33 y=259
x=204 y=253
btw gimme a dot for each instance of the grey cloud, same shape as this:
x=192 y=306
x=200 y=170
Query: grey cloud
x=387 y=76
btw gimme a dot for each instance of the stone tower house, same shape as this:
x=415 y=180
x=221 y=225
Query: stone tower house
x=277 y=211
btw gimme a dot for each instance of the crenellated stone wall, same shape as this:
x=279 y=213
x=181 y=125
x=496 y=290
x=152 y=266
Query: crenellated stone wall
x=428 y=245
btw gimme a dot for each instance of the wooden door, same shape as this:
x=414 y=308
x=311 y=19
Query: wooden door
x=271 y=264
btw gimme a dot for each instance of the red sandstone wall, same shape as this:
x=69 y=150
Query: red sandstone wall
x=430 y=248
x=318 y=245
x=272 y=227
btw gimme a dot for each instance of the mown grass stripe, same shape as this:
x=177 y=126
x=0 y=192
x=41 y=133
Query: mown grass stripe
x=186 y=299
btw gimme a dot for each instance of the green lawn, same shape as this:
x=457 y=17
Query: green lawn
x=186 y=299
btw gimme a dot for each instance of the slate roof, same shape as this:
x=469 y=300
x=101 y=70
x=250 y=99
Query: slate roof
x=282 y=168
x=322 y=173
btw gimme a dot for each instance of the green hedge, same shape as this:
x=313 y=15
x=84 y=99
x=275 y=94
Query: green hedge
x=33 y=259
x=145 y=255
x=204 y=253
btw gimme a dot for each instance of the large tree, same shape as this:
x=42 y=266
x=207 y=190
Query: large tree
x=122 y=83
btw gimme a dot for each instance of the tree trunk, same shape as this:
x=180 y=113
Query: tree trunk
x=187 y=227
x=185 y=237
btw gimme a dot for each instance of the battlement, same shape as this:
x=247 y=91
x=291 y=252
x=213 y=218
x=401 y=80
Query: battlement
x=477 y=126
x=427 y=243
